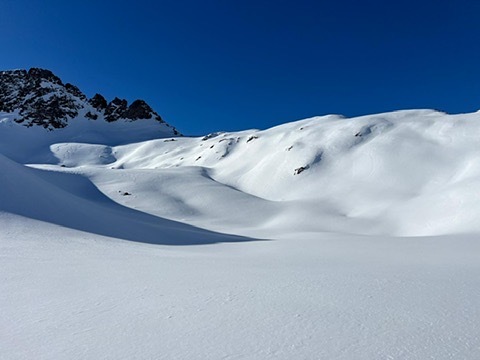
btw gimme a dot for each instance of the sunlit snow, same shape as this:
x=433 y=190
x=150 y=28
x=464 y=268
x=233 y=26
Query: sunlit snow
x=325 y=238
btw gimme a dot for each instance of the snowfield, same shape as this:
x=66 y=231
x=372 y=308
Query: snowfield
x=325 y=238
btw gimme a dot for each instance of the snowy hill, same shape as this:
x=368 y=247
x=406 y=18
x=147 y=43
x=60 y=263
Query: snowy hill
x=291 y=237
x=402 y=173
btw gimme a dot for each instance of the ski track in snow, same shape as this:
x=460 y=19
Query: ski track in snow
x=273 y=264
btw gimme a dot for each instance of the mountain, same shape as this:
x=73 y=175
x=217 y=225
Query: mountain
x=38 y=97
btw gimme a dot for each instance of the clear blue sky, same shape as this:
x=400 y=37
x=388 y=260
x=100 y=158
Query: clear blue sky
x=230 y=65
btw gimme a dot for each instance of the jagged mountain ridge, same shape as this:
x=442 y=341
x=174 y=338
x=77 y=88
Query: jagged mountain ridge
x=39 y=98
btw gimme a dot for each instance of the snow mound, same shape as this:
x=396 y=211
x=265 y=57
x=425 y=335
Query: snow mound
x=72 y=201
x=412 y=172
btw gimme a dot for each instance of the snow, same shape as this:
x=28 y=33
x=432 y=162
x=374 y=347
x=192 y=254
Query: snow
x=122 y=244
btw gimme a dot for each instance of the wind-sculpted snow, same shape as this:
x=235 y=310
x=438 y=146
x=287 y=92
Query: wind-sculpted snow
x=336 y=281
x=401 y=173
x=72 y=201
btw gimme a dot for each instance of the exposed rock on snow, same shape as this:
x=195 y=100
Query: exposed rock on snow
x=39 y=97
x=116 y=109
x=300 y=169
x=211 y=136
x=98 y=102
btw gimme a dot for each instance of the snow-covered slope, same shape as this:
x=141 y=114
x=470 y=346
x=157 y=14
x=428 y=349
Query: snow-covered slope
x=402 y=173
x=31 y=144
x=72 y=201
x=333 y=196
x=71 y=295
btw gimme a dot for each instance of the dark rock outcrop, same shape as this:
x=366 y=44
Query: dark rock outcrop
x=39 y=97
x=98 y=102
x=115 y=109
x=75 y=91
x=43 y=74
x=139 y=109
x=300 y=169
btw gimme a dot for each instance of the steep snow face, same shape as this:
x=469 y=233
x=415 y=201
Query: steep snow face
x=403 y=173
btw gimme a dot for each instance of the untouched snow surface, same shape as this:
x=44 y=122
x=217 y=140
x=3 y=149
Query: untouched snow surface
x=287 y=243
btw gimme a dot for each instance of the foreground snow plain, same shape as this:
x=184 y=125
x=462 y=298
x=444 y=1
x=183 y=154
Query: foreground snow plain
x=218 y=248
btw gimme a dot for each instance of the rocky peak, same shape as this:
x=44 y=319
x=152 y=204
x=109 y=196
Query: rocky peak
x=116 y=109
x=75 y=91
x=98 y=102
x=39 y=97
x=139 y=109
x=37 y=74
